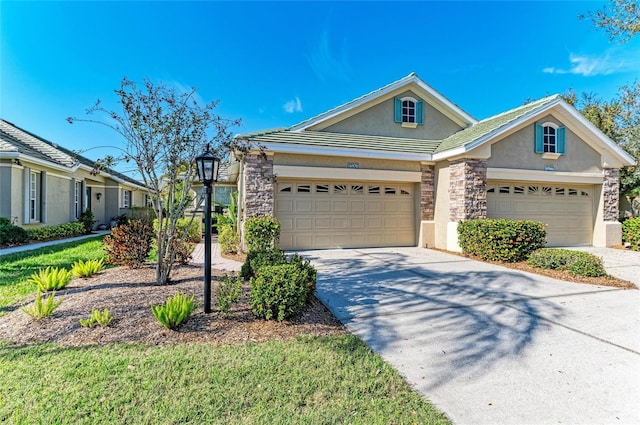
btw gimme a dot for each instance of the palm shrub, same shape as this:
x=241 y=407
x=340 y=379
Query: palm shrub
x=279 y=292
x=262 y=233
x=50 y=279
x=575 y=262
x=87 y=268
x=501 y=239
x=129 y=243
x=229 y=293
x=98 y=317
x=40 y=308
x=631 y=233
x=175 y=311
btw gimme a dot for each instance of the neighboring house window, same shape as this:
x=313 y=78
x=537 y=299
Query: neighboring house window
x=126 y=198
x=33 y=196
x=408 y=110
x=549 y=138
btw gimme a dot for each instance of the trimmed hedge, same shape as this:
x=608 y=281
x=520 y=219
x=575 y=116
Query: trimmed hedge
x=501 y=239
x=631 y=233
x=575 y=262
x=191 y=229
x=60 y=231
x=262 y=233
x=279 y=292
x=11 y=235
x=260 y=258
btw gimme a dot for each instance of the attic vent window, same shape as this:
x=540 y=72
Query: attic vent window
x=408 y=111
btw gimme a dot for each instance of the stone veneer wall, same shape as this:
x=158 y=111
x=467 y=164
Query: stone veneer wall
x=468 y=189
x=258 y=179
x=427 y=192
x=611 y=194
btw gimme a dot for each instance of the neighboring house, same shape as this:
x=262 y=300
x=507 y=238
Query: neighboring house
x=42 y=183
x=403 y=165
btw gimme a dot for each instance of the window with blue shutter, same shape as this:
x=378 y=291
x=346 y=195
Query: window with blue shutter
x=408 y=110
x=419 y=111
x=538 y=139
x=560 y=143
x=549 y=138
x=397 y=115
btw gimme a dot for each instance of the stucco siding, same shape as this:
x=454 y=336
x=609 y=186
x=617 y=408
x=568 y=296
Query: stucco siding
x=5 y=191
x=343 y=162
x=378 y=120
x=441 y=210
x=517 y=151
x=59 y=196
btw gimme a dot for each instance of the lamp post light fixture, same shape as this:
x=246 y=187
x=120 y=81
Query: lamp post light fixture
x=208 y=166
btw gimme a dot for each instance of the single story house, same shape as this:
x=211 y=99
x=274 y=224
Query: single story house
x=42 y=183
x=403 y=165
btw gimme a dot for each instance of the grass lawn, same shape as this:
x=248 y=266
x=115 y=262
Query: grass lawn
x=16 y=268
x=323 y=380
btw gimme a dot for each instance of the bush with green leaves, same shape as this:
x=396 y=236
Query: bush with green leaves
x=4 y=221
x=88 y=220
x=229 y=292
x=129 y=244
x=87 y=268
x=187 y=229
x=303 y=264
x=103 y=318
x=42 y=308
x=50 y=279
x=578 y=263
x=59 y=231
x=501 y=239
x=631 y=233
x=175 y=311
x=259 y=258
x=12 y=235
x=228 y=239
x=279 y=292
x=262 y=233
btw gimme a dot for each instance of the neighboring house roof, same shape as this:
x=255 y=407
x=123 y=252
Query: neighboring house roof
x=14 y=139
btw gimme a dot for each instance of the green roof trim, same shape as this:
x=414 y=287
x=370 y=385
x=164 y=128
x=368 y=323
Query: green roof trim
x=491 y=124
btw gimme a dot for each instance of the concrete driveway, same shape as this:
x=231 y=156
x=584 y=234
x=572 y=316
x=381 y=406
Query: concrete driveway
x=490 y=345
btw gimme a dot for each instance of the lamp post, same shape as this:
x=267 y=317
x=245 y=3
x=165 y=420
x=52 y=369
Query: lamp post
x=207 y=165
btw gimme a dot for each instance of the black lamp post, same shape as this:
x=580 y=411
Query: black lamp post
x=208 y=166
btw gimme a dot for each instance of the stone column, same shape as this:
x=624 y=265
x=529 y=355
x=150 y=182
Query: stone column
x=467 y=189
x=258 y=177
x=611 y=194
x=427 y=192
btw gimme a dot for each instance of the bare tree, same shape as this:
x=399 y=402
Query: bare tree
x=621 y=20
x=164 y=131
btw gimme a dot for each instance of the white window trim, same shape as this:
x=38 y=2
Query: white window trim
x=33 y=196
x=126 y=203
x=550 y=155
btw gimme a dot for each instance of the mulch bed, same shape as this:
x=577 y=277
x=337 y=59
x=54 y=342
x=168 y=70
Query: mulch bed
x=129 y=294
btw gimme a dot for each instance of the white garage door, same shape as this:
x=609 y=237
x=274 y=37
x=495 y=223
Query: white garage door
x=566 y=210
x=345 y=214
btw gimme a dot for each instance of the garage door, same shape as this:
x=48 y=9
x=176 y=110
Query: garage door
x=345 y=214
x=567 y=210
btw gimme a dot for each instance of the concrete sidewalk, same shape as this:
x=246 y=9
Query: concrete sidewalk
x=217 y=261
x=487 y=344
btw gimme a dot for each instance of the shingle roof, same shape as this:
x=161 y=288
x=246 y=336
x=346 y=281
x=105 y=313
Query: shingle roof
x=491 y=124
x=342 y=140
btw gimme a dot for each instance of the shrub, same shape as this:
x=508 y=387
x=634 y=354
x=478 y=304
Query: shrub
x=631 y=233
x=186 y=229
x=129 y=244
x=260 y=258
x=229 y=292
x=50 y=279
x=11 y=235
x=87 y=220
x=500 y=239
x=4 y=221
x=299 y=261
x=262 y=233
x=228 y=239
x=87 y=268
x=575 y=262
x=175 y=311
x=98 y=317
x=59 y=231
x=279 y=292
x=40 y=308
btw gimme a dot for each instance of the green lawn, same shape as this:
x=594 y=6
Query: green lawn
x=16 y=268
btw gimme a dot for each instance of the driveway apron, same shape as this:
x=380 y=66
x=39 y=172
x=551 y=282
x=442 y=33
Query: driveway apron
x=487 y=344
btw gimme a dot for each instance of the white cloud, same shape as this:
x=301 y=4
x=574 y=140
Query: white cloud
x=613 y=61
x=328 y=61
x=292 y=106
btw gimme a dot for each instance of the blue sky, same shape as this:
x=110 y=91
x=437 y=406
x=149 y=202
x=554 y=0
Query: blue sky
x=276 y=64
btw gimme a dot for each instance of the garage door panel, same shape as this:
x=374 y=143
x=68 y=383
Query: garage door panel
x=567 y=211
x=345 y=214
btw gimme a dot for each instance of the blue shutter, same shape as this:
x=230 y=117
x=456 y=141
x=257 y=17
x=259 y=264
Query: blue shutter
x=397 y=116
x=560 y=144
x=419 y=111
x=539 y=148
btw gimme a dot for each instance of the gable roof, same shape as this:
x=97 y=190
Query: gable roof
x=412 y=80
x=17 y=141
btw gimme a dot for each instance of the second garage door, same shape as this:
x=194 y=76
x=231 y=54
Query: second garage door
x=566 y=210
x=345 y=214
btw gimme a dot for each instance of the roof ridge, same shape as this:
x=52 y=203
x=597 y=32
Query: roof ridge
x=540 y=101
